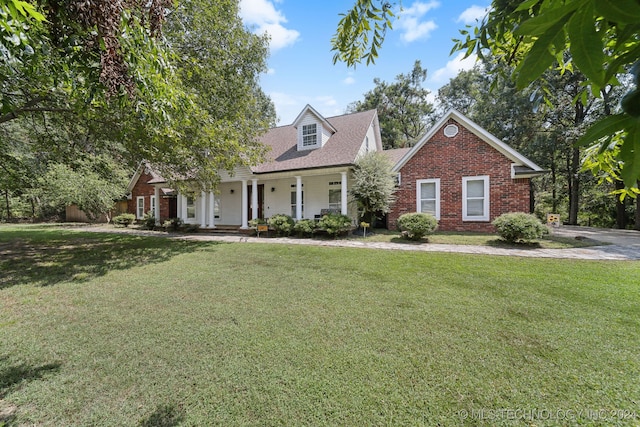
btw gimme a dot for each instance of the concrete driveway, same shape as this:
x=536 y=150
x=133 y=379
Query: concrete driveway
x=606 y=235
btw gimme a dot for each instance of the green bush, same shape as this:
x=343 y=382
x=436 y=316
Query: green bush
x=124 y=219
x=519 y=227
x=305 y=227
x=335 y=224
x=416 y=225
x=282 y=224
x=173 y=224
x=254 y=223
x=190 y=228
x=149 y=221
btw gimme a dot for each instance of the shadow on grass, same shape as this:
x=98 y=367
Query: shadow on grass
x=13 y=377
x=48 y=257
x=164 y=416
x=499 y=243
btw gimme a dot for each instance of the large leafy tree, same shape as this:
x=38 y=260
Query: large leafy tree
x=599 y=38
x=405 y=112
x=98 y=78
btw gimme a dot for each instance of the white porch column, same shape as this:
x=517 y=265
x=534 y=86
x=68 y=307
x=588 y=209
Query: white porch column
x=245 y=205
x=254 y=198
x=156 y=213
x=183 y=207
x=203 y=209
x=212 y=216
x=298 y=198
x=343 y=194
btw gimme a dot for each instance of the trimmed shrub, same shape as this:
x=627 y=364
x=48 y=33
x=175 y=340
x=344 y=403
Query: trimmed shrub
x=190 y=228
x=416 y=225
x=149 y=221
x=519 y=227
x=173 y=224
x=335 y=224
x=282 y=224
x=124 y=219
x=305 y=227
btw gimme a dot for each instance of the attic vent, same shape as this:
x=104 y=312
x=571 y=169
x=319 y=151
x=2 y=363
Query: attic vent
x=450 y=131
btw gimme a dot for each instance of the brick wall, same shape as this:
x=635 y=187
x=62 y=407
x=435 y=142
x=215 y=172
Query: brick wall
x=141 y=188
x=450 y=159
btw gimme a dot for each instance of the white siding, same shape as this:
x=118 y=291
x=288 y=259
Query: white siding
x=239 y=173
x=373 y=146
x=326 y=134
x=230 y=203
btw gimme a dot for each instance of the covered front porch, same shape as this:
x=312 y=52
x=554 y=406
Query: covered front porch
x=239 y=199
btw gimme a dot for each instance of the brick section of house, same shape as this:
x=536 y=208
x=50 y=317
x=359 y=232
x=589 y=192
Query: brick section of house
x=451 y=159
x=141 y=188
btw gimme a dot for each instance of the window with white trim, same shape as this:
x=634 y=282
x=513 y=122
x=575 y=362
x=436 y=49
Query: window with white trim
x=309 y=135
x=335 y=195
x=140 y=207
x=294 y=202
x=475 y=198
x=428 y=196
x=153 y=205
x=216 y=207
x=191 y=207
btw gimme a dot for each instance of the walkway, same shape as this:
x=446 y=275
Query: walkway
x=621 y=244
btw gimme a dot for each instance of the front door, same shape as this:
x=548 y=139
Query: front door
x=260 y=201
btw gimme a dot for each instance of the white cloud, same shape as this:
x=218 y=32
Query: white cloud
x=265 y=18
x=326 y=101
x=473 y=15
x=412 y=24
x=453 y=67
x=271 y=71
x=349 y=80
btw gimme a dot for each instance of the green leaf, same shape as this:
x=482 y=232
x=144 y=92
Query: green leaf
x=607 y=126
x=526 y=5
x=616 y=64
x=586 y=44
x=539 y=58
x=630 y=155
x=621 y=11
x=542 y=23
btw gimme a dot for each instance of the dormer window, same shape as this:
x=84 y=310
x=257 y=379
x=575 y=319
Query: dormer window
x=309 y=135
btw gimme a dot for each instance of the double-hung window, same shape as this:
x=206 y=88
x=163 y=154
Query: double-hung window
x=309 y=135
x=140 y=207
x=475 y=198
x=191 y=207
x=335 y=195
x=428 y=196
x=294 y=202
x=153 y=206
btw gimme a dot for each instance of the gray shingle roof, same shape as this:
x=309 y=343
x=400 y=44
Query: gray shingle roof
x=341 y=149
x=396 y=154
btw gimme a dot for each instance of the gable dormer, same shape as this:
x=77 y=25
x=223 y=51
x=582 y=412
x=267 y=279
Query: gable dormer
x=313 y=130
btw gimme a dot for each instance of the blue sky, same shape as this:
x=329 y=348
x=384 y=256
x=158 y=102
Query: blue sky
x=301 y=69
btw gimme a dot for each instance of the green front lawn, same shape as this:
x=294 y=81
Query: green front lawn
x=102 y=329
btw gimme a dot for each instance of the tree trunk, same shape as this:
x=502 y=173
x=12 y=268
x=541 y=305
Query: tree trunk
x=6 y=198
x=574 y=186
x=637 y=216
x=554 y=191
x=621 y=217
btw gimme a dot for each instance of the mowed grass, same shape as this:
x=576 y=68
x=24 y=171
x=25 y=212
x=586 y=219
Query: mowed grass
x=101 y=329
